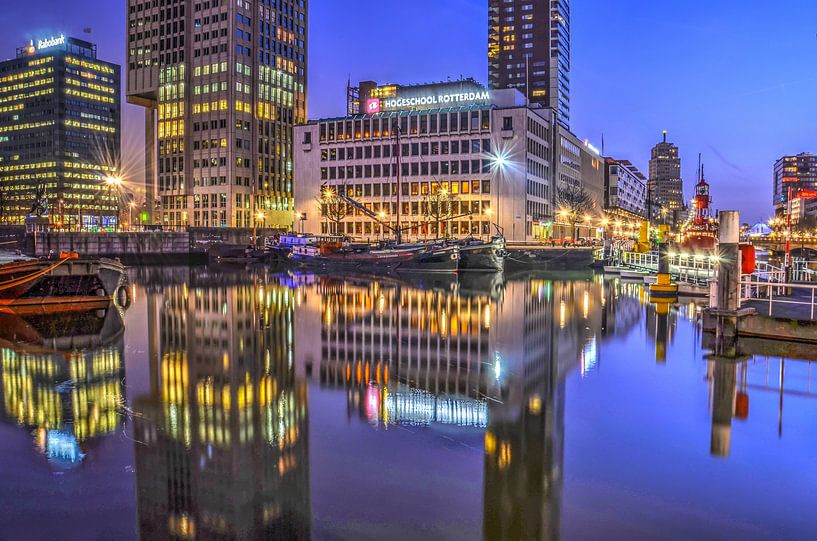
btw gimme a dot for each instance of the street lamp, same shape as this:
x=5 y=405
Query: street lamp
x=112 y=181
x=131 y=206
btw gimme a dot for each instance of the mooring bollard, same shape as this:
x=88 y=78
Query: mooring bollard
x=728 y=297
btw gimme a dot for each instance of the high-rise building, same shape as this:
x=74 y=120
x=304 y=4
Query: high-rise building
x=59 y=133
x=222 y=83
x=800 y=174
x=529 y=49
x=666 y=186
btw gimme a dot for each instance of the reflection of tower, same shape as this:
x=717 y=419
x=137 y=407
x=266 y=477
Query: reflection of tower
x=222 y=439
x=727 y=402
x=68 y=382
x=524 y=443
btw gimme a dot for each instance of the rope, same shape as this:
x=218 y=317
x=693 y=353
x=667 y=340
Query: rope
x=9 y=242
x=25 y=279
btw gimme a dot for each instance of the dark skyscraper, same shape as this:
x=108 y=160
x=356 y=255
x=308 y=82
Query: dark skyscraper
x=222 y=83
x=529 y=49
x=59 y=131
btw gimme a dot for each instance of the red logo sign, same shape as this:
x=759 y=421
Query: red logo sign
x=807 y=194
x=372 y=106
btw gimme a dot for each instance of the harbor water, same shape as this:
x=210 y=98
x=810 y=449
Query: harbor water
x=232 y=403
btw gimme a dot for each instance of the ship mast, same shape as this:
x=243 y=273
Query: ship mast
x=398 y=235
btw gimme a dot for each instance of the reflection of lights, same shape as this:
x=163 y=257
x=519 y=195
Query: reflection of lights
x=498 y=367
x=562 y=314
x=535 y=404
x=586 y=304
x=490 y=443
x=372 y=403
x=486 y=316
x=381 y=304
x=589 y=357
x=63 y=447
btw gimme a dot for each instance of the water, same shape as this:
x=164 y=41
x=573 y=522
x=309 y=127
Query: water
x=235 y=404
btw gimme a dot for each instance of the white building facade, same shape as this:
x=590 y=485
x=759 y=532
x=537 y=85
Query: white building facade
x=625 y=190
x=485 y=156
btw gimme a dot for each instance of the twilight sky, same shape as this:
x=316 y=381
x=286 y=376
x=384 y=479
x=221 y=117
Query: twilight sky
x=732 y=79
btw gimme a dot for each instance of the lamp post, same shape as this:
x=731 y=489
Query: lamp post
x=112 y=181
x=131 y=205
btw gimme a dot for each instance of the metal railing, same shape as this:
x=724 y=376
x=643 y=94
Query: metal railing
x=753 y=288
x=690 y=269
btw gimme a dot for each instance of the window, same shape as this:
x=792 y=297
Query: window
x=507 y=123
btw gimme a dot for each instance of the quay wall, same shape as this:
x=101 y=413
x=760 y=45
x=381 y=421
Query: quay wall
x=129 y=247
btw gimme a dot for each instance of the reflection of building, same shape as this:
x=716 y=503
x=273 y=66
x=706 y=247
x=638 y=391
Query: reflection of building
x=428 y=353
x=222 y=438
x=59 y=130
x=227 y=81
x=411 y=356
x=69 y=396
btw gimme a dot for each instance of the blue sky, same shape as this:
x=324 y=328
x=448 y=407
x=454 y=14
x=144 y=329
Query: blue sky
x=732 y=79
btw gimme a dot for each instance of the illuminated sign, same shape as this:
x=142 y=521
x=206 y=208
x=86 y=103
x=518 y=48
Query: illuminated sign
x=372 y=106
x=50 y=42
x=437 y=100
x=807 y=194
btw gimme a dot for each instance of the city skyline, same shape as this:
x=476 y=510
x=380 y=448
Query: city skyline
x=622 y=87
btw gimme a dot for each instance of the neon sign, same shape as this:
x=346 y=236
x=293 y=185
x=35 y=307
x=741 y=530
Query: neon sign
x=436 y=99
x=51 y=42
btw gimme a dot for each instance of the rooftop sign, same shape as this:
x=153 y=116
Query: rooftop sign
x=51 y=42
x=436 y=100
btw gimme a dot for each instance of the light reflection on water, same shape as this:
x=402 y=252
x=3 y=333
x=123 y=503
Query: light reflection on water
x=245 y=405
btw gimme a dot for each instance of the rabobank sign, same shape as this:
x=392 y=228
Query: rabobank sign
x=50 y=42
x=437 y=100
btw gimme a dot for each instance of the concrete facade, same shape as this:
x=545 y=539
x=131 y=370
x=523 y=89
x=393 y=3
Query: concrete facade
x=491 y=158
x=666 y=186
x=222 y=84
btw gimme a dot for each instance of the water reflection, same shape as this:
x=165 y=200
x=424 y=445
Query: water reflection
x=222 y=437
x=62 y=378
x=234 y=361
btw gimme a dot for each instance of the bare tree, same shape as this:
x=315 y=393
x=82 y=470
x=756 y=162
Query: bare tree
x=333 y=208
x=439 y=207
x=574 y=203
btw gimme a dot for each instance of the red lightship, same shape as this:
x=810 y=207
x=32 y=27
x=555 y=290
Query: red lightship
x=701 y=233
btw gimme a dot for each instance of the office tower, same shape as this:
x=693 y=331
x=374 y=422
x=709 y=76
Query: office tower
x=222 y=83
x=529 y=49
x=666 y=186
x=59 y=133
x=800 y=174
